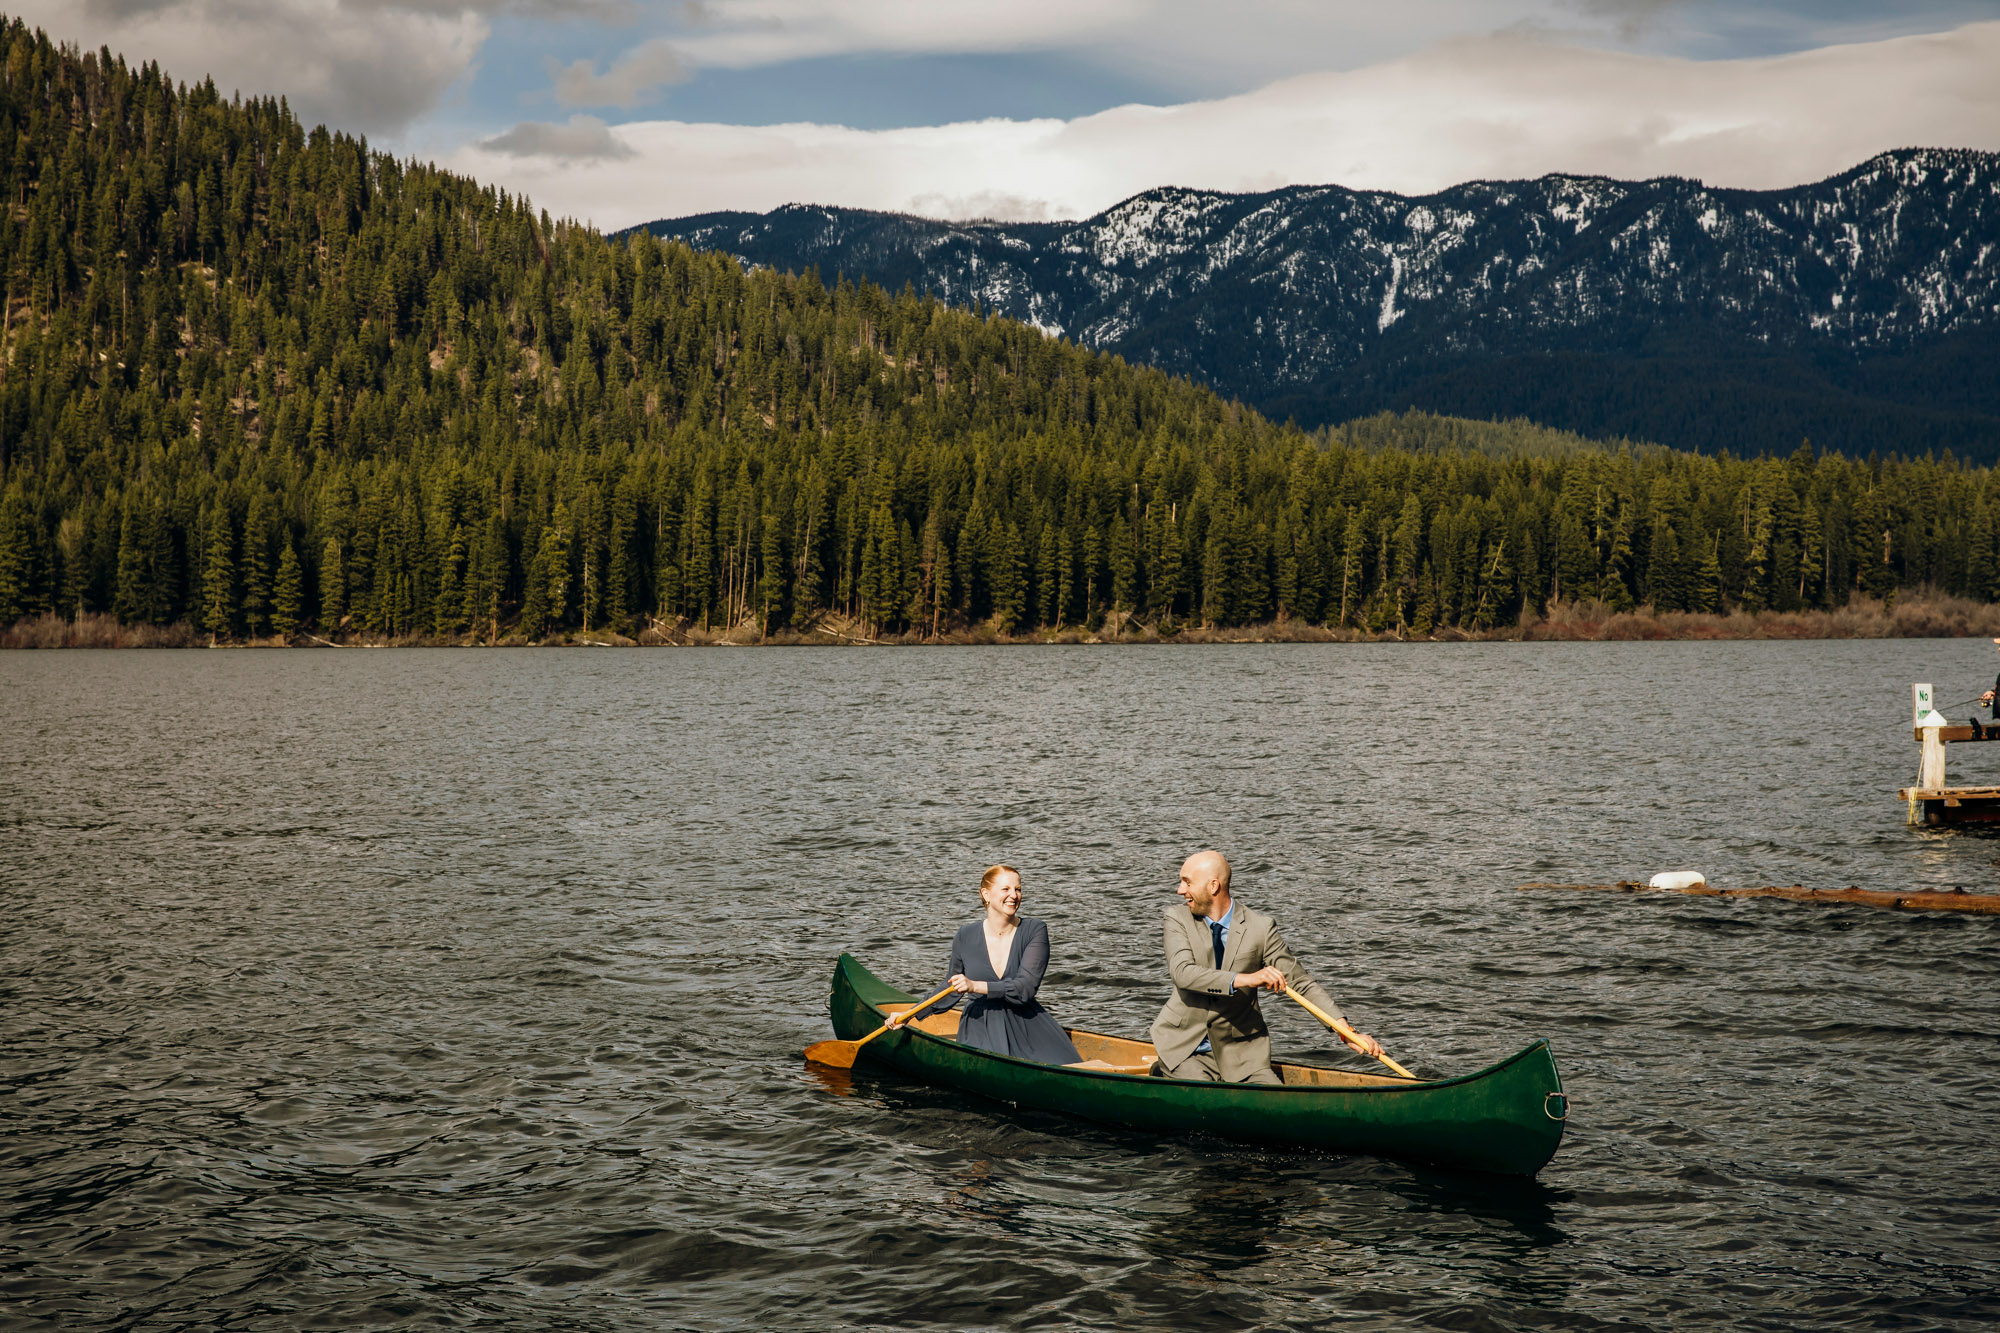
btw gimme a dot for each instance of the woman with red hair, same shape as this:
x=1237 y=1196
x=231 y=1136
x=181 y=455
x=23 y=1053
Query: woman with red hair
x=998 y=961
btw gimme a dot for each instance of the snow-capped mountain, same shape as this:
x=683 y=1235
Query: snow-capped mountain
x=1863 y=310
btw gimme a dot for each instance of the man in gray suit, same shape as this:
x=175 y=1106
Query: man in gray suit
x=1220 y=954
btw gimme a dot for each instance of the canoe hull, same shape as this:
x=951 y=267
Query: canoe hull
x=1505 y=1119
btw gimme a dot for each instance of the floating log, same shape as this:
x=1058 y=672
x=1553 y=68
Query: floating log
x=1958 y=900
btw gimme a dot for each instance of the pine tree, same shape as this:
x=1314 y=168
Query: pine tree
x=1576 y=553
x=1409 y=548
x=332 y=586
x=1288 y=565
x=1706 y=594
x=1010 y=579
x=488 y=590
x=131 y=595
x=218 y=578
x=1124 y=565
x=771 y=588
x=1047 y=582
x=1065 y=593
x=1871 y=539
x=17 y=594
x=1663 y=569
x=256 y=605
x=286 y=607
x=73 y=546
x=1812 y=557
x=1353 y=547
x=1612 y=588
x=1424 y=619
x=549 y=577
x=448 y=604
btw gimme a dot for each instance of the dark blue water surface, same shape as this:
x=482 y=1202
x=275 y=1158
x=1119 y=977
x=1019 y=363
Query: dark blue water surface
x=467 y=988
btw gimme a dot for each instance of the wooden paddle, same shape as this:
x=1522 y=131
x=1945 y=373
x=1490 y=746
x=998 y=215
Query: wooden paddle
x=1344 y=1032
x=840 y=1054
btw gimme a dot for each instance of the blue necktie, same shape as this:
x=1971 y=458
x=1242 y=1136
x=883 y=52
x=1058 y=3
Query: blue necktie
x=1215 y=929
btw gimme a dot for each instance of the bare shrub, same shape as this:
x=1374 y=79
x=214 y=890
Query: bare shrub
x=95 y=630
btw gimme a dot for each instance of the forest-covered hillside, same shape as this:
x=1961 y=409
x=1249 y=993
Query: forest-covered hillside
x=266 y=380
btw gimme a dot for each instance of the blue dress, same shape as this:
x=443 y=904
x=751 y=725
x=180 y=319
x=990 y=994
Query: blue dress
x=1008 y=1019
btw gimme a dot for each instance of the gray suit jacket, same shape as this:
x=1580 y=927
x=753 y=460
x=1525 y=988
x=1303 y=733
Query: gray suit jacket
x=1202 y=1005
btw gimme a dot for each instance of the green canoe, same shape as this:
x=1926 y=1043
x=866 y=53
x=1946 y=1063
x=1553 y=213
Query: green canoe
x=1507 y=1118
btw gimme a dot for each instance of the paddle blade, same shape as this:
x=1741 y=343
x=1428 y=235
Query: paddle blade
x=833 y=1054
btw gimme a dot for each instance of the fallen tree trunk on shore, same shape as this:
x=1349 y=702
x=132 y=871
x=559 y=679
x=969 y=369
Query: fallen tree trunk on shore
x=1956 y=901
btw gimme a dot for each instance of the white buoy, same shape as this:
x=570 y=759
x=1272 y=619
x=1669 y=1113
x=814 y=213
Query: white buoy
x=1678 y=879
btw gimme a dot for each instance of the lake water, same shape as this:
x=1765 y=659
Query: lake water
x=467 y=988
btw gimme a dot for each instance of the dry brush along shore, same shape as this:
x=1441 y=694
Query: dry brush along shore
x=1920 y=615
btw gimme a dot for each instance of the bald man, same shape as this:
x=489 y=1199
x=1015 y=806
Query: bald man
x=1220 y=953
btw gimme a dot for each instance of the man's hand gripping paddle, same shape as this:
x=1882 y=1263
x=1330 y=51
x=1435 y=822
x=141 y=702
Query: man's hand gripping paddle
x=1341 y=1030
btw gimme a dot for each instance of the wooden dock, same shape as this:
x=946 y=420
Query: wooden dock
x=1933 y=801
x=1953 y=805
x=1984 y=904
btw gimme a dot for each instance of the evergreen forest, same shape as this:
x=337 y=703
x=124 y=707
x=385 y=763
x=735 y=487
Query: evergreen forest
x=264 y=380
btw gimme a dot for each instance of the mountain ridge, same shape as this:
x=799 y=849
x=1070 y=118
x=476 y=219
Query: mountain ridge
x=1855 y=310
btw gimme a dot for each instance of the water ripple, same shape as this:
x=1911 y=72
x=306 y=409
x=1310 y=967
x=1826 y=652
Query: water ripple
x=454 y=988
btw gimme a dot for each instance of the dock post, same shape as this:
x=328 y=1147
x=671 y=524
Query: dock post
x=1920 y=703
x=1930 y=768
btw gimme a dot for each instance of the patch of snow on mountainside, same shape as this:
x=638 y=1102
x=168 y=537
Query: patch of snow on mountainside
x=1142 y=230
x=1389 y=313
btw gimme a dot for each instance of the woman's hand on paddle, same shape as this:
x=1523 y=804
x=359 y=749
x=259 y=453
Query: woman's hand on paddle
x=1364 y=1043
x=1269 y=977
x=965 y=985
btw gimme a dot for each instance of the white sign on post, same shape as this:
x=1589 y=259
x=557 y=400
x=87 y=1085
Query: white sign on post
x=1920 y=702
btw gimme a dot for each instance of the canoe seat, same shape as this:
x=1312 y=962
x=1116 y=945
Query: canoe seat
x=1117 y=1052
x=1110 y=1068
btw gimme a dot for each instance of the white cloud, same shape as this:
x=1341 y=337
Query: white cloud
x=1507 y=106
x=583 y=139
x=629 y=81
x=372 y=67
x=742 y=33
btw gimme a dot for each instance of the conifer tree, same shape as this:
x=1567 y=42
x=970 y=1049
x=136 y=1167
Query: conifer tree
x=1706 y=595
x=1124 y=565
x=286 y=598
x=332 y=585
x=771 y=587
x=1353 y=546
x=73 y=546
x=256 y=599
x=1010 y=579
x=1047 y=583
x=1663 y=571
x=449 y=603
x=16 y=560
x=131 y=597
x=218 y=579
x=941 y=585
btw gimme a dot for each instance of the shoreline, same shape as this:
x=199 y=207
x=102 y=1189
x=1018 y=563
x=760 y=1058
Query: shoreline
x=1918 y=616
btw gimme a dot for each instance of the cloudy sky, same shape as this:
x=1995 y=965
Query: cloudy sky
x=620 y=111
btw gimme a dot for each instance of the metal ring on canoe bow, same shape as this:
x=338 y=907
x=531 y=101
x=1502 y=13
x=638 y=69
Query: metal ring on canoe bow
x=1556 y=1106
